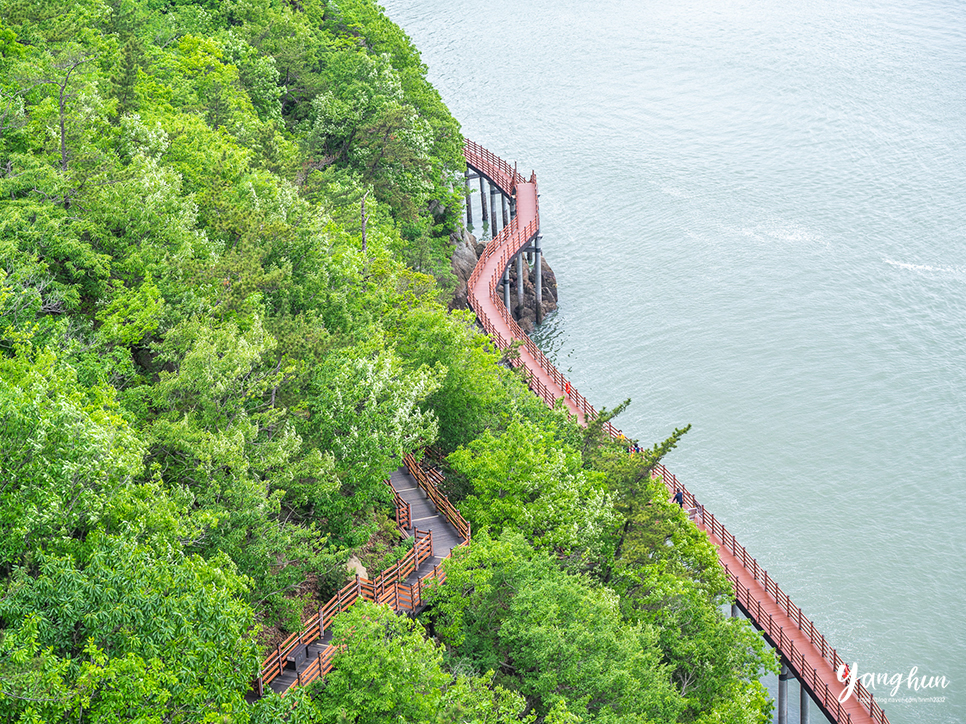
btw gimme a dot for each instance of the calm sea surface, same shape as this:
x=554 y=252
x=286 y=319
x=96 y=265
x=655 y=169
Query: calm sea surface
x=756 y=211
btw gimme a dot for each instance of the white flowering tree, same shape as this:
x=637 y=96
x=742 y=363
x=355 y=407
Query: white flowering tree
x=364 y=410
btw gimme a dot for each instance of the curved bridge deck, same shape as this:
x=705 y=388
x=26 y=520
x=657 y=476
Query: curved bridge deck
x=805 y=651
x=437 y=526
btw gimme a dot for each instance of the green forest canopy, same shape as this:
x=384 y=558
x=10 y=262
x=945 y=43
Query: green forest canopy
x=225 y=235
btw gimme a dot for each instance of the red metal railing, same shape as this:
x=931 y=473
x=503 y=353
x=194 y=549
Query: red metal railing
x=806 y=626
x=507 y=243
x=492 y=166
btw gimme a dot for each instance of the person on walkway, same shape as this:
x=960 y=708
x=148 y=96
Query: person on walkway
x=567 y=388
x=678 y=498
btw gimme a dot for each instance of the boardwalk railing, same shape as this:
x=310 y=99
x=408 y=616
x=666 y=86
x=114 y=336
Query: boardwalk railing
x=388 y=587
x=384 y=588
x=796 y=659
x=404 y=511
x=429 y=478
x=492 y=166
x=507 y=244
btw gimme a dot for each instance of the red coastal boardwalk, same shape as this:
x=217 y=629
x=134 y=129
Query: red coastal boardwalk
x=544 y=378
x=806 y=652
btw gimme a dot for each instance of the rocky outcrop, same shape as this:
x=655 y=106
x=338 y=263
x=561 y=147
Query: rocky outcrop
x=526 y=313
x=465 y=256
x=354 y=566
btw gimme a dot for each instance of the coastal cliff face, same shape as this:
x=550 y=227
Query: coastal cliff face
x=463 y=261
x=465 y=256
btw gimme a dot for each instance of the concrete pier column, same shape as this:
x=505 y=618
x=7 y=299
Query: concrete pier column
x=513 y=206
x=803 y=704
x=469 y=205
x=506 y=287
x=506 y=212
x=483 y=201
x=783 y=678
x=520 y=267
x=734 y=610
x=495 y=227
x=538 y=279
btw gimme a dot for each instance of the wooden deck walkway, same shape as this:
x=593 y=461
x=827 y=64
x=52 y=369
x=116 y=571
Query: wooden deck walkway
x=813 y=661
x=437 y=527
x=425 y=516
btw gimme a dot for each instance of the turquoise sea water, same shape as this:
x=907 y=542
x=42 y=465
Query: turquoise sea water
x=756 y=211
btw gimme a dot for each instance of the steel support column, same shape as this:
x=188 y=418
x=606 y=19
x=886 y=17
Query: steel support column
x=783 y=678
x=803 y=704
x=506 y=287
x=520 y=267
x=537 y=279
x=483 y=202
x=734 y=610
x=494 y=226
x=506 y=217
x=469 y=205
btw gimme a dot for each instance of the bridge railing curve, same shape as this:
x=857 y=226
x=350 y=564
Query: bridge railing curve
x=507 y=244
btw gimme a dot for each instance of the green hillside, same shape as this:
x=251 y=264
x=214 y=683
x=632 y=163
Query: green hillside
x=225 y=231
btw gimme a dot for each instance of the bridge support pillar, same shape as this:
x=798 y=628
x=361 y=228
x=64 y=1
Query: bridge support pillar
x=506 y=217
x=783 y=678
x=486 y=216
x=537 y=280
x=506 y=288
x=469 y=205
x=520 y=267
x=803 y=704
x=494 y=227
x=734 y=610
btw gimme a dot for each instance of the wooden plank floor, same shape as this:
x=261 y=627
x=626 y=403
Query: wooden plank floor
x=425 y=517
x=283 y=682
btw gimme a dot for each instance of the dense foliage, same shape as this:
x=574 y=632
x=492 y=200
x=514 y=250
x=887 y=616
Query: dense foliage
x=224 y=268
